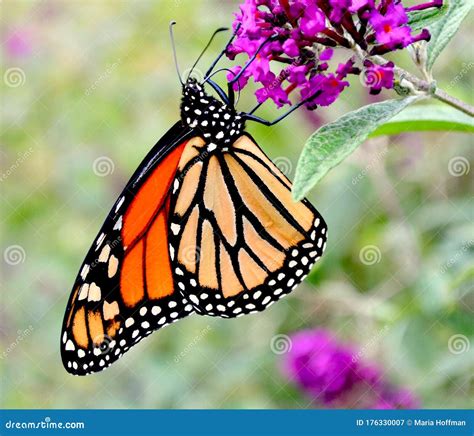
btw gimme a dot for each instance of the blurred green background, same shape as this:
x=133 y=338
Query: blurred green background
x=94 y=83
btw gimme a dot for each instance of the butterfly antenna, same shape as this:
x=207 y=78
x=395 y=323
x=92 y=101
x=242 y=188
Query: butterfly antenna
x=223 y=52
x=173 y=45
x=221 y=29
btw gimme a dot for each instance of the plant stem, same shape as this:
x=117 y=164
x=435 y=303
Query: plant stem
x=429 y=88
x=443 y=96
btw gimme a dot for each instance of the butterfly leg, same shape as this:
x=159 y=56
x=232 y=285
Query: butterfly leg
x=229 y=98
x=230 y=84
x=260 y=120
x=220 y=92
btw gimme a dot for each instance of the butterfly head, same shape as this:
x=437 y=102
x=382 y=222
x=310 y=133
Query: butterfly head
x=217 y=122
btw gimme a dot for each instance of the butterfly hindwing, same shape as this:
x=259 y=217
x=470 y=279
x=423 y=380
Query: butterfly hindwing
x=239 y=240
x=125 y=288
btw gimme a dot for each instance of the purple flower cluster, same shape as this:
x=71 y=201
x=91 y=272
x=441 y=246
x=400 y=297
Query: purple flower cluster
x=300 y=35
x=331 y=374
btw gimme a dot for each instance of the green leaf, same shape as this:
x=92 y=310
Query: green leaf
x=333 y=142
x=445 y=28
x=418 y=20
x=427 y=117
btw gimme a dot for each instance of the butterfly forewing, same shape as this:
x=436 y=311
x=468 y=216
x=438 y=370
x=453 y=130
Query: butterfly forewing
x=125 y=287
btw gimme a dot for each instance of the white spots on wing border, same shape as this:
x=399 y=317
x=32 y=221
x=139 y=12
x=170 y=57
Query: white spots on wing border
x=94 y=292
x=119 y=203
x=112 y=266
x=298 y=262
x=104 y=254
x=84 y=291
x=85 y=270
x=118 y=223
x=129 y=322
x=99 y=241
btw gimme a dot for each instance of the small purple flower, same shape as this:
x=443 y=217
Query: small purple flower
x=244 y=45
x=347 y=68
x=390 y=27
x=326 y=54
x=260 y=70
x=312 y=22
x=290 y=47
x=377 y=77
x=357 y=5
x=325 y=90
x=338 y=9
x=328 y=372
x=297 y=74
x=243 y=79
x=248 y=18
x=274 y=92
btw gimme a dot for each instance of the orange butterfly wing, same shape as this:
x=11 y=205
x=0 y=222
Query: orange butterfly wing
x=241 y=241
x=125 y=288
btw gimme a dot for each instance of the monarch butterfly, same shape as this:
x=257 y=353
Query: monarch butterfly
x=205 y=225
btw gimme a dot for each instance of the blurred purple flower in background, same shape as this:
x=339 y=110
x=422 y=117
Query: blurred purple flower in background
x=18 y=43
x=396 y=399
x=296 y=35
x=332 y=375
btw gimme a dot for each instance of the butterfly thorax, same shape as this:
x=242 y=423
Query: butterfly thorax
x=217 y=122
